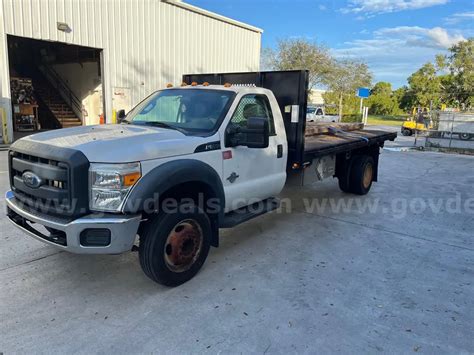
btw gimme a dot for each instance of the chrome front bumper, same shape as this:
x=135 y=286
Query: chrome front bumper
x=123 y=228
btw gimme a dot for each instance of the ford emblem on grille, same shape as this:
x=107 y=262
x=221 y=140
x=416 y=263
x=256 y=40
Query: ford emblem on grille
x=31 y=179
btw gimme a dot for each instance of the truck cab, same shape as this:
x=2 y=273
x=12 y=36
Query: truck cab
x=183 y=163
x=207 y=123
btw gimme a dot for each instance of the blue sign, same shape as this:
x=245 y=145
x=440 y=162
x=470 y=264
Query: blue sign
x=363 y=93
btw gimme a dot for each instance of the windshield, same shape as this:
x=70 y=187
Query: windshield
x=187 y=110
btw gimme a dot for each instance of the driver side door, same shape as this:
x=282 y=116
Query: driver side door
x=253 y=174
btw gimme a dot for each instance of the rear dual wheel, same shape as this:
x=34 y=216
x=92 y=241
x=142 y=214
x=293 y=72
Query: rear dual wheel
x=358 y=178
x=362 y=174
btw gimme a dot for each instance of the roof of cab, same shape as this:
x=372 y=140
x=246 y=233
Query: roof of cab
x=234 y=88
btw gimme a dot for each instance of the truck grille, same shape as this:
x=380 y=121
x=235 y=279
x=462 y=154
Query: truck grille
x=59 y=185
x=53 y=191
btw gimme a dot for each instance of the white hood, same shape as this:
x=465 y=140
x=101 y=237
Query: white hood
x=121 y=143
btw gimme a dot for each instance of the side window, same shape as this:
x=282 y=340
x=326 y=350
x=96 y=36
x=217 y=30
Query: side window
x=253 y=106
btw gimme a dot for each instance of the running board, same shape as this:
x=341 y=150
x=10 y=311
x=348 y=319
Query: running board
x=247 y=213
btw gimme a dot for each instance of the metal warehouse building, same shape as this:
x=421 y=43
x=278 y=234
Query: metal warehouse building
x=71 y=62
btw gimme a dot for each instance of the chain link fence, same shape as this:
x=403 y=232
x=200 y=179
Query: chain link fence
x=451 y=131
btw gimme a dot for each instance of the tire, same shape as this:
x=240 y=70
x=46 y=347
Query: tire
x=465 y=136
x=362 y=174
x=174 y=246
x=344 y=184
x=406 y=132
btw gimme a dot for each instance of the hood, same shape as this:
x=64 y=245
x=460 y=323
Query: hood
x=120 y=143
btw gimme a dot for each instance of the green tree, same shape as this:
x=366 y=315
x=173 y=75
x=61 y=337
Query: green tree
x=350 y=103
x=459 y=84
x=404 y=98
x=299 y=53
x=425 y=86
x=448 y=94
x=381 y=100
x=344 y=78
x=382 y=88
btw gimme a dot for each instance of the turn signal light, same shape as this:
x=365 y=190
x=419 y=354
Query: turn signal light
x=131 y=179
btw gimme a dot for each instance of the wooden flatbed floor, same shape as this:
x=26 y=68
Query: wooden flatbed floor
x=324 y=144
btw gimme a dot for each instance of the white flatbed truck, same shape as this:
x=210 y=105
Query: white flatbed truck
x=183 y=163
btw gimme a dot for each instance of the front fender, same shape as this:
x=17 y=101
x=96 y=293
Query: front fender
x=171 y=174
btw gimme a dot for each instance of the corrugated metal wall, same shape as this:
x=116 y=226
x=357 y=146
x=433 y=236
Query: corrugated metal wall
x=146 y=43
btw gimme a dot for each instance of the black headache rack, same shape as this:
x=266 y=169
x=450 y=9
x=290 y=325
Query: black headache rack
x=291 y=92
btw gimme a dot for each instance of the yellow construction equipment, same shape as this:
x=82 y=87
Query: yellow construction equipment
x=416 y=122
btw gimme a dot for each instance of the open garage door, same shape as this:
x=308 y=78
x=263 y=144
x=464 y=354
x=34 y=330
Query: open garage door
x=53 y=85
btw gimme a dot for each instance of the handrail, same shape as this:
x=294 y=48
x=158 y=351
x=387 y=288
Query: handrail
x=59 y=84
x=44 y=104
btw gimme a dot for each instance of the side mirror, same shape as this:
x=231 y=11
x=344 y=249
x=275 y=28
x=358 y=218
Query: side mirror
x=255 y=135
x=121 y=116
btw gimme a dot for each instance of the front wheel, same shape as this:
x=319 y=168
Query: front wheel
x=174 y=246
x=465 y=136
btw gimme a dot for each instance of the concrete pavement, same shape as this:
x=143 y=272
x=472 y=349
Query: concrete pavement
x=368 y=277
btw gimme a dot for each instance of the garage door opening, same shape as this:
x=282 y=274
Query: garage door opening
x=53 y=85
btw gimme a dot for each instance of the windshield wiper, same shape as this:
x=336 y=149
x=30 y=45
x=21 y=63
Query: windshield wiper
x=161 y=125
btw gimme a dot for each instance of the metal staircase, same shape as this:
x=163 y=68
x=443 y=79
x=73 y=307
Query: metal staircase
x=58 y=97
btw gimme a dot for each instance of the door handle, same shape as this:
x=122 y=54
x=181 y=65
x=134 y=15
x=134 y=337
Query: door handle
x=279 y=150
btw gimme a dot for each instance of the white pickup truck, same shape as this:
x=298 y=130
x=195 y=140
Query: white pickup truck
x=183 y=163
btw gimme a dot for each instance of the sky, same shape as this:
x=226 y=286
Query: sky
x=394 y=37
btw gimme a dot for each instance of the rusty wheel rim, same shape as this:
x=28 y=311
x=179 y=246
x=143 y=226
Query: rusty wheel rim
x=368 y=172
x=183 y=245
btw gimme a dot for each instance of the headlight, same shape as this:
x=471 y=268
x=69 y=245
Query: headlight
x=109 y=184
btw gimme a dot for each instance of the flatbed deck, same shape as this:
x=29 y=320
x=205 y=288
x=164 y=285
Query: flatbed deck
x=324 y=144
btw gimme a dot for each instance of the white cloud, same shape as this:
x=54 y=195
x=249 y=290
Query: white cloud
x=370 y=7
x=394 y=53
x=460 y=17
x=322 y=7
x=415 y=36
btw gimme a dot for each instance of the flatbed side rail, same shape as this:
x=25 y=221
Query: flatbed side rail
x=318 y=146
